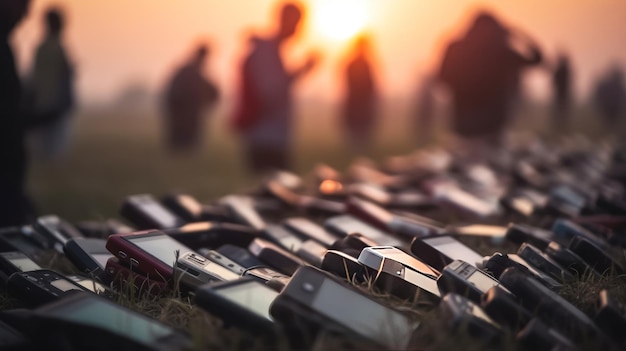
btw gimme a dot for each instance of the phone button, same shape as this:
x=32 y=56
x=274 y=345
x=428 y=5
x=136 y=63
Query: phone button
x=122 y=254
x=134 y=262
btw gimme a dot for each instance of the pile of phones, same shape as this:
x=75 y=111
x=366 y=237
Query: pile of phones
x=363 y=258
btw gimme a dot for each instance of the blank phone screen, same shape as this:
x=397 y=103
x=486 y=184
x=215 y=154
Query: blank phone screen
x=254 y=296
x=162 y=247
x=364 y=316
x=97 y=313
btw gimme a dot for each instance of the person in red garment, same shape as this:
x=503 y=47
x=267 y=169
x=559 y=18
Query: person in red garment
x=264 y=116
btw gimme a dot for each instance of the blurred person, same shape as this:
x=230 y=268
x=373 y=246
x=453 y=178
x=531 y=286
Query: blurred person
x=610 y=99
x=14 y=204
x=482 y=71
x=51 y=86
x=188 y=95
x=264 y=114
x=562 y=87
x=361 y=101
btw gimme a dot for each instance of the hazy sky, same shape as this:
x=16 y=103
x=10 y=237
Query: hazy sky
x=117 y=42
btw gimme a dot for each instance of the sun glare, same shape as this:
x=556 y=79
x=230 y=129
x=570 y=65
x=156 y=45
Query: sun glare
x=339 y=19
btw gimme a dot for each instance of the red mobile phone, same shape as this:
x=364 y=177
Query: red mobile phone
x=152 y=252
x=121 y=274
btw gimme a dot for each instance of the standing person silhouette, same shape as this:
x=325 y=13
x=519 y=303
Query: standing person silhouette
x=482 y=71
x=51 y=85
x=188 y=95
x=361 y=102
x=264 y=114
x=13 y=201
x=562 y=82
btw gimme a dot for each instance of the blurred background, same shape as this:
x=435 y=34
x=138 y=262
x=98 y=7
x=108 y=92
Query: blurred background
x=124 y=54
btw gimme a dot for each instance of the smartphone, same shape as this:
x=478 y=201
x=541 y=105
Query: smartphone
x=321 y=301
x=274 y=256
x=504 y=308
x=83 y=321
x=194 y=270
x=461 y=278
x=151 y=251
x=521 y=233
x=283 y=237
x=244 y=303
x=36 y=288
x=400 y=265
x=343 y=225
x=544 y=263
x=242 y=209
x=212 y=234
x=223 y=261
x=569 y=260
x=23 y=239
x=307 y=229
x=56 y=231
x=439 y=251
x=146 y=212
x=89 y=255
x=185 y=206
x=462 y=314
x=497 y=263
x=312 y=252
x=275 y=280
x=595 y=256
x=464 y=201
x=344 y=266
x=241 y=256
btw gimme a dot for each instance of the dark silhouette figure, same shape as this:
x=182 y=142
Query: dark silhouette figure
x=562 y=84
x=610 y=98
x=264 y=114
x=13 y=200
x=189 y=94
x=361 y=103
x=51 y=86
x=482 y=71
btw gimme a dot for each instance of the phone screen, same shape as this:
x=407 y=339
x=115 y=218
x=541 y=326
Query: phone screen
x=97 y=313
x=157 y=211
x=364 y=316
x=160 y=246
x=101 y=258
x=24 y=264
x=482 y=281
x=254 y=296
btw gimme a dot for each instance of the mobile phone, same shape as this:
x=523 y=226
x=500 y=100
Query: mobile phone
x=536 y=335
x=461 y=278
x=89 y=255
x=102 y=229
x=569 y=260
x=242 y=209
x=56 y=231
x=344 y=266
x=15 y=261
x=439 y=251
x=83 y=321
x=353 y=241
x=484 y=230
x=91 y=285
x=244 y=303
x=388 y=221
x=316 y=299
x=462 y=314
x=185 y=206
x=224 y=261
x=544 y=263
x=464 y=201
x=565 y=230
x=195 y=270
x=312 y=252
x=241 y=256
x=146 y=212
x=274 y=256
x=212 y=234
x=304 y=202
x=550 y=307
x=401 y=265
x=498 y=263
x=308 y=229
x=151 y=251
x=124 y=276
x=610 y=316
x=595 y=256
x=382 y=197
x=269 y=277
x=283 y=237
x=503 y=307
x=39 y=287
x=521 y=233
x=343 y=225
x=23 y=239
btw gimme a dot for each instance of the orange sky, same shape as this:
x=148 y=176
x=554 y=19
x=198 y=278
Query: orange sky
x=116 y=42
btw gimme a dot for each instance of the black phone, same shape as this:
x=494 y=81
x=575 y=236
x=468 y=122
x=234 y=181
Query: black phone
x=461 y=278
x=320 y=301
x=462 y=314
x=146 y=212
x=89 y=255
x=56 y=230
x=544 y=263
x=244 y=303
x=439 y=251
x=347 y=224
x=308 y=229
x=14 y=261
x=212 y=234
x=36 y=288
x=274 y=256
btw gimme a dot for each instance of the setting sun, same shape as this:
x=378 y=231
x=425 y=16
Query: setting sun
x=339 y=19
